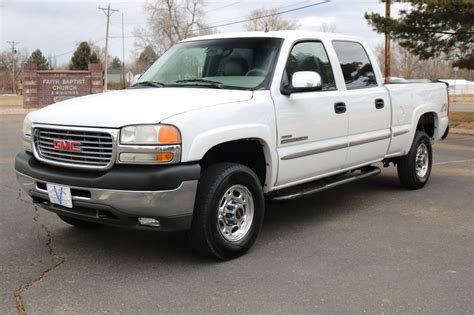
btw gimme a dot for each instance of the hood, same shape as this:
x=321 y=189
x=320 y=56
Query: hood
x=133 y=106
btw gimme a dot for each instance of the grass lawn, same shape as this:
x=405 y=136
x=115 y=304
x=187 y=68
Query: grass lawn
x=461 y=120
x=11 y=100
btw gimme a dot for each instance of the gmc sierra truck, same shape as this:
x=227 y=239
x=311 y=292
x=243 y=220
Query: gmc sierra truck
x=220 y=124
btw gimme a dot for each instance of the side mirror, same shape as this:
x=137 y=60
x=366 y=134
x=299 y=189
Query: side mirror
x=135 y=79
x=303 y=81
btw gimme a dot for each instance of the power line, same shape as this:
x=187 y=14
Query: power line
x=246 y=16
x=265 y=16
x=71 y=51
x=244 y=20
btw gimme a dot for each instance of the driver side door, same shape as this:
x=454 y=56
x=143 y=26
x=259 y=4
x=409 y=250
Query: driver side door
x=312 y=128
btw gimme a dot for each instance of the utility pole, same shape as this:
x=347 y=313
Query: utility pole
x=108 y=12
x=123 y=55
x=12 y=44
x=387 y=43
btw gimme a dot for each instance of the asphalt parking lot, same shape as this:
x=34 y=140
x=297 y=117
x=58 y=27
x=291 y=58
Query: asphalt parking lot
x=367 y=247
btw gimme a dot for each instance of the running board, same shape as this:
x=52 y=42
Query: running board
x=322 y=184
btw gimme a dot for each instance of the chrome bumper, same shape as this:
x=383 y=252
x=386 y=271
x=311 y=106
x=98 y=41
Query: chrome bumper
x=165 y=204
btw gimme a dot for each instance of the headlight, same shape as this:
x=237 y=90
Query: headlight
x=27 y=127
x=27 y=135
x=149 y=144
x=150 y=135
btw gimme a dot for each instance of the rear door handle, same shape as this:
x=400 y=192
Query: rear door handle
x=379 y=103
x=340 y=107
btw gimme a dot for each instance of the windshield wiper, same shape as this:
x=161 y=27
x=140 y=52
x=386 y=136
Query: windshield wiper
x=211 y=83
x=149 y=83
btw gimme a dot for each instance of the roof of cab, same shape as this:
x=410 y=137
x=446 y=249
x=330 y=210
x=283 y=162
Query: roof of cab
x=277 y=34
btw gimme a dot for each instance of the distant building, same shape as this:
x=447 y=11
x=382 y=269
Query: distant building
x=114 y=75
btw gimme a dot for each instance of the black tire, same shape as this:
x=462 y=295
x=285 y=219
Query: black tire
x=215 y=183
x=79 y=223
x=407 y=165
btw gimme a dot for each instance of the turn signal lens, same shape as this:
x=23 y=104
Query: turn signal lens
x=168 y=134
x=164 y=157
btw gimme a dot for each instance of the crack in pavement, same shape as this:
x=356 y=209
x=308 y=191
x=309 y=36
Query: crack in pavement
x=20 y=303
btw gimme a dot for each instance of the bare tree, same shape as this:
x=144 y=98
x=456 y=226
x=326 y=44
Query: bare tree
x=268 y=20
x=52 y=61
x=168 y=22
x=100 y=51
x=7 y=63
x=328 y=27
x=408 y=66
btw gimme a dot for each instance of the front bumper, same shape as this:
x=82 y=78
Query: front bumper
x=118 y=197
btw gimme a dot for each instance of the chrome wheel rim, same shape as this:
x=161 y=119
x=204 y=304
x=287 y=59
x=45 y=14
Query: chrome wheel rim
x=235 y=213
x=422 y=160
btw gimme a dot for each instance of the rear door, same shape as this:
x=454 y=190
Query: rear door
x=368 y=105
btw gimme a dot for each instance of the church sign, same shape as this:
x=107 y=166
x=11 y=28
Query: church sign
x=41 y=88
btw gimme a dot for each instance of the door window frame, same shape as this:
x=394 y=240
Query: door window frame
x=368 y=57
x=300 y=41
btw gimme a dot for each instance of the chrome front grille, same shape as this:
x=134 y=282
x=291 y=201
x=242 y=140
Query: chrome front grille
x=74 y=147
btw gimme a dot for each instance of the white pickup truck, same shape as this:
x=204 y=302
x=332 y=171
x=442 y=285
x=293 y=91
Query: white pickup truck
x=221 y=123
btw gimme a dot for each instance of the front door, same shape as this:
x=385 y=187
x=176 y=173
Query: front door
x=312 y=132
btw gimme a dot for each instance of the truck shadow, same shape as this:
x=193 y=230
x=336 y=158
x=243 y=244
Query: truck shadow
x=328 y=205
x=107 y=244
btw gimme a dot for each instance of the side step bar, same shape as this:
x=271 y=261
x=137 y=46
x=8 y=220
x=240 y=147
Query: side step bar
x=322 y=184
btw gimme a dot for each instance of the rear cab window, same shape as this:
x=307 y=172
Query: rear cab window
x=355 y=65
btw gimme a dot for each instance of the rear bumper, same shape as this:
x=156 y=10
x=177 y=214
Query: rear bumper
x=171 y=206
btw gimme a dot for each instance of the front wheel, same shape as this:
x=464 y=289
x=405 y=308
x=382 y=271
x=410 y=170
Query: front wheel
x=228 y=211
x=414 y=169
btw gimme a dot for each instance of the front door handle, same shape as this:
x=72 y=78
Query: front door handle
x=379 y=103
x=340 y=107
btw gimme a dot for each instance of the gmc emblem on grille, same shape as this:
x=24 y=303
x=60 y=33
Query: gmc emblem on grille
x=70 y=146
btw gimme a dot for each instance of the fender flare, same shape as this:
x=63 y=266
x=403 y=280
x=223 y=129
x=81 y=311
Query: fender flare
x=207 y=140
x=418 y=112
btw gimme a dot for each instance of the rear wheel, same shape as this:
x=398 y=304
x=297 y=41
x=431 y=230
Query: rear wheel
x=228 y=211
x=414 y=169
x=79 y=223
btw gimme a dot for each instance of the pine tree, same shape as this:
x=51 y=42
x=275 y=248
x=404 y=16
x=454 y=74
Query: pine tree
x=432 y=28
x=146 y=58
x=38 y=59
x=116 y=63
x=82 y=57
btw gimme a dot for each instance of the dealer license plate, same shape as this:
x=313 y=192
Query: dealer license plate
x=60 y=195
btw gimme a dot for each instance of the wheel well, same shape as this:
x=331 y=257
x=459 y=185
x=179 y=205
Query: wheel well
x=428 y=124
x=248 y=152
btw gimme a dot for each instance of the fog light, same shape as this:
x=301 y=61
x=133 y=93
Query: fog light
x=149 y=222
x=137 y=157
x=160 y=157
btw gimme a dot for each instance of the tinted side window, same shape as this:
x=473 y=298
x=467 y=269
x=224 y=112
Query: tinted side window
x=355 y=64
x=311 y=56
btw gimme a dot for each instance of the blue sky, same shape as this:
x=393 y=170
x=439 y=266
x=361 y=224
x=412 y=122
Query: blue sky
x=56 y=26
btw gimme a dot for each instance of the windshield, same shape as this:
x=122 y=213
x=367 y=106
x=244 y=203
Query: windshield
x=235 y=63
